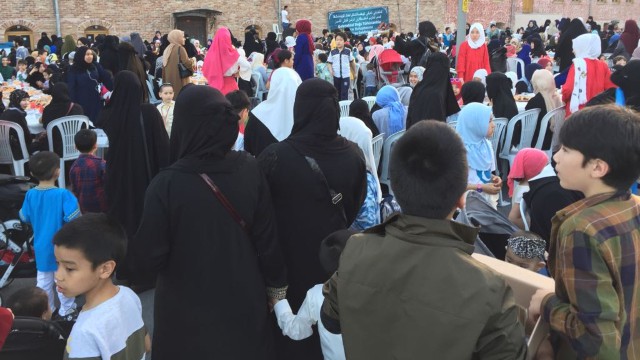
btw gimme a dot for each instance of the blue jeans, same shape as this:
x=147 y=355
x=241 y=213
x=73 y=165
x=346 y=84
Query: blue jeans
x=285 y=26
x=369 y=91
x=342 y=85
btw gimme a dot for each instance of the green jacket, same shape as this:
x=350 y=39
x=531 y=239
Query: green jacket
x=409 y=289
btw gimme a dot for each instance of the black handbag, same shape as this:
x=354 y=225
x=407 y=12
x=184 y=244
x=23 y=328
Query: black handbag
x=184 y=71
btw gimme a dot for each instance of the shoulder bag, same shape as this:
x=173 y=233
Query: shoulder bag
x=184 y=71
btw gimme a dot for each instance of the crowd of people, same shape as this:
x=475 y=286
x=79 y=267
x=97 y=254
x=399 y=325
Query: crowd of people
x=254 y=206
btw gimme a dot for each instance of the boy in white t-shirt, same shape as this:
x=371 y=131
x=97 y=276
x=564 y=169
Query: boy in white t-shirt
x=110 y=325
x=166 y=107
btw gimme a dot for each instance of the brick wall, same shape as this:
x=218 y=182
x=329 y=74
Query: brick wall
x=123 y=17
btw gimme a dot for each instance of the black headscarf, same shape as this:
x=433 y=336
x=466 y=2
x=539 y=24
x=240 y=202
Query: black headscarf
x=316 y=120
x=564 y=48
x=473 y=91
x=433 y=97
x=15 y=98
x=427 y=29
x=138 y=44
x=499 y=91
x=360 y=109
x=537 y=50
x=204 y=124
x=59 y=94
x=164 y=42
x=78 y=60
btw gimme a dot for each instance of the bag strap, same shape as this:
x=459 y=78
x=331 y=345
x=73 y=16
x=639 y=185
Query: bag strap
x=336 y=197
x=146 y=149
x=225 y=202
x=69 y=110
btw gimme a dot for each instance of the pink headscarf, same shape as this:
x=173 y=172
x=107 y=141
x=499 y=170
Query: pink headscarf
x=303 y=27
x=220 y=57
x=528 y=163
x=511 y=50
x=374 y=51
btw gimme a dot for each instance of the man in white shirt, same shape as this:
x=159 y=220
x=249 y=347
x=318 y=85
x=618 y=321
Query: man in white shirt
x=285 y=18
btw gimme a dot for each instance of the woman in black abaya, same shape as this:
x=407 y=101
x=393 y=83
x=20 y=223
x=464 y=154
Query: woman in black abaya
x=208 y=267
x=564 y=49
x=433 y=97
x=304 y=211
x=138 y=149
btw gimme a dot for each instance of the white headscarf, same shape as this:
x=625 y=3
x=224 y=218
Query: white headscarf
x=276 y=113
x=586 y=46
x=481 y=39
x=353 y=129
x=482 y=75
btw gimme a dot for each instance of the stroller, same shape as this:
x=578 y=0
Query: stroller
x=390 y=68
x=16 y=238
x=495 y=228
x=34 y=339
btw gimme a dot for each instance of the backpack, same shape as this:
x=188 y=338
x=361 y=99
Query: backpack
x=388 y=206
x=427 y=51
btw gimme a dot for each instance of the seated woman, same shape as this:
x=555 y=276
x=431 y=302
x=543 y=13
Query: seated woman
x=15 y=112
x=502 y=101
x=36 y=76
x=527 y=164
x=369 y=215
x=473 y=91
x=392 y=117
x=524 y=85
x=360 y=109
x=475 y=126
x=546 y=99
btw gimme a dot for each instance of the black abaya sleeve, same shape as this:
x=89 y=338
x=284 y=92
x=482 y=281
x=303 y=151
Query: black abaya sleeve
x=152 y=244
x=157 y=137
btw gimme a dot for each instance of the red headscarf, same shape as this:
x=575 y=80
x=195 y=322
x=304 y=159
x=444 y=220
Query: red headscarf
x=527 y=164
x=630 y=35
x=511 y=50
x=303 y=27
x=544 y=62
x=220 y=57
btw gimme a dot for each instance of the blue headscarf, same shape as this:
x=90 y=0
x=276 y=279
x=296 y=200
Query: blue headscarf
x=473 y=124
x=388 y=98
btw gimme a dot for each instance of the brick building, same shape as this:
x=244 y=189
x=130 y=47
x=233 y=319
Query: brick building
x=197 y=17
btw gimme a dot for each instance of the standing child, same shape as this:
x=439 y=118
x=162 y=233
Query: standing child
x=370 y=82
x=167 y=105
x=322 y=68
x=89 y=250
x=342 y=64
x=595 y=243
x=47 y=208
x=87 y=174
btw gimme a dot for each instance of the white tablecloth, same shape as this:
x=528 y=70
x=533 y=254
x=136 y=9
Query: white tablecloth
x=33 y=121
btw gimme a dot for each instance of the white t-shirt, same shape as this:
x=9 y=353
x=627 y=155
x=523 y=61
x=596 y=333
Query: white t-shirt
x=298 y=326
x=518 y=192
x=285 y=16
x=113 y=329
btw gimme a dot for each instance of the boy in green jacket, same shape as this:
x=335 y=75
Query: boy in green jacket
x=409 y=288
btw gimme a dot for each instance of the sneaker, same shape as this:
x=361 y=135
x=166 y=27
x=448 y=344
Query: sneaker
x=71 y=316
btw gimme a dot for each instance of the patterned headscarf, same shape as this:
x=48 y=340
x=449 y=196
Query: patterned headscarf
x=16 y=97
x=527 y=247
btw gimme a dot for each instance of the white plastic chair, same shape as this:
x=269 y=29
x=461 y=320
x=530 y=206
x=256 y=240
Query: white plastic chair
x=377 y=143
x=557 y=115
x=6 y=155
x=513 y=64
x=344 y=107
x=276 y=29
x=528 y=119
x=497 y=141
x=371 y=100
x=523 y=214
x=68 y=127
x=260 y=89
x=386 y=155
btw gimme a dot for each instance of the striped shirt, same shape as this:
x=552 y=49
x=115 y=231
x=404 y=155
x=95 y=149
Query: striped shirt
x=594 y=258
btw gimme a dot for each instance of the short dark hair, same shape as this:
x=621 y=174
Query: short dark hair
x=85 y=140
x=44 y=165
x=284 y=55
x=322 y=57
x=428 y=170
x=472 y=91
x=342 y=35
x=286 y=6
x=164 y=85
x=610 y=133
x=99 y=237
x=22 y=62
x=324 y=31
x=19 y=41
x=239 y=100
x=447 y=28
x=29 y=301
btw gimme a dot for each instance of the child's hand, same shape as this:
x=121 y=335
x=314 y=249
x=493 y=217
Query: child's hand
x=272 y=302
x=496 y=180
x=490 y=188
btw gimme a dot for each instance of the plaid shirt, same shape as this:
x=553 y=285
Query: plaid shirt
x=594 y=258
x=87 y=181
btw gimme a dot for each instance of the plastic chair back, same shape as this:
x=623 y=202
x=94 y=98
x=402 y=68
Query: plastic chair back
x=516 y=65
x=498 y=134
x=371 y=100
x=528 y=120
x=377 y=143
x=6 y=155
x=344 y=107
x=276 y=29
x=68 y=127
x=557 y=115
x=386 y=155
x=523 y=214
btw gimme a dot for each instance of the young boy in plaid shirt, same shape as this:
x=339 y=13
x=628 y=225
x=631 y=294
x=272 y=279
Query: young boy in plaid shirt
x=87 y=174
x=594 y=254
